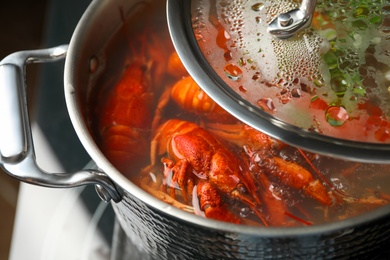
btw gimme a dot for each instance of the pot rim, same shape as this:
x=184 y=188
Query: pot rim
x=77 y=40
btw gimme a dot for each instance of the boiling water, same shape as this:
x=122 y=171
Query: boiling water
x=340 y=63
x=355 y=187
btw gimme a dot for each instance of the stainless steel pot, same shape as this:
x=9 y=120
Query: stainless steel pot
x=158 y=229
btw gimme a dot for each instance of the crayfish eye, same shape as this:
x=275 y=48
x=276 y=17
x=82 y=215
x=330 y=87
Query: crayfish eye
x=241 y=188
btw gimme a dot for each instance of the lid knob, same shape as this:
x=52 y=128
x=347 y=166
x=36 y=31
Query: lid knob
x=285 y=19
x=287 y=24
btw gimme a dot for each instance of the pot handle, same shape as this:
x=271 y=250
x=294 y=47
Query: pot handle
x=17 y=155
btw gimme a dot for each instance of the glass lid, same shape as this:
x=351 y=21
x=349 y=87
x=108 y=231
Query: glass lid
x=314 y=74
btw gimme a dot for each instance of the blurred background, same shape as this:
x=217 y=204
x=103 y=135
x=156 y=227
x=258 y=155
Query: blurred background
x=38 y=24
x=22 y=28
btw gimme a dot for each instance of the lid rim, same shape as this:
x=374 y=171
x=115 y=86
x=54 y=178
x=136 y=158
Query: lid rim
x=180 y=29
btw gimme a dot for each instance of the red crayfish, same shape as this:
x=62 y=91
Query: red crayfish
x=196 y=160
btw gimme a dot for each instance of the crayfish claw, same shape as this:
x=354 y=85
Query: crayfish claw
x=211 y=203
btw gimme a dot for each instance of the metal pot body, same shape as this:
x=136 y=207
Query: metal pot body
x=164 y=232
x=162 y=236
x=160 y=230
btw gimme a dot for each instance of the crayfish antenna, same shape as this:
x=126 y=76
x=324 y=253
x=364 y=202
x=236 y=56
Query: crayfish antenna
x=260 y=215
x=251 y=204
x=307 y=223
x=158 y=112
x=319 y=174
x=153 y=149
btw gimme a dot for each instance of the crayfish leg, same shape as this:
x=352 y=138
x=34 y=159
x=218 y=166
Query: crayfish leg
x=161 y=195
x=180 y=176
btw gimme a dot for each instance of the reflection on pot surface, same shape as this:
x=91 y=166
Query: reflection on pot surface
x=156 y=126
x=331 y=78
